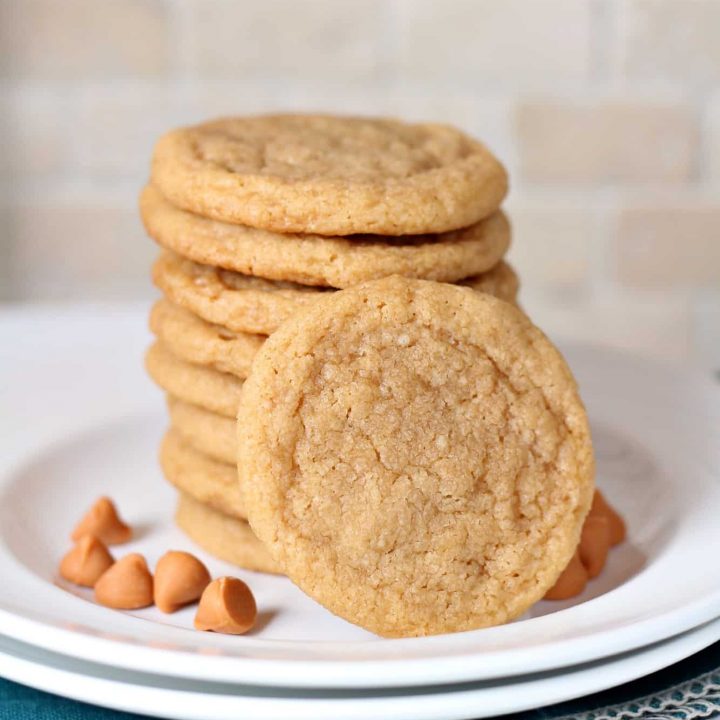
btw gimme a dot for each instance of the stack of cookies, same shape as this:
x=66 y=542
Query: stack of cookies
x=259 y=218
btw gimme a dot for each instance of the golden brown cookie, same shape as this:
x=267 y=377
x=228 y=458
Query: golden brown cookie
x=316 y=260
x=192 y=339
x=501 y=281
x=215 y=391
x=248 y=304
x=330 y=175
x=415 y=457
x=208 y=481
x=242 y=303
x=226 y=537
x=207 y=432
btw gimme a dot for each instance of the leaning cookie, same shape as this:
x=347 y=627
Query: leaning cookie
x=416 y=457
x=247 y=304
x=330 y=175
x=325 y=261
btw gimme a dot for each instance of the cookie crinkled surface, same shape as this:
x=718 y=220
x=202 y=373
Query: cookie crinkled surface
x=330 y=175
x=416 y=457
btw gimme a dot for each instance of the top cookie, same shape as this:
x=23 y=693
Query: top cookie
x=330 y=175
x=415 y=456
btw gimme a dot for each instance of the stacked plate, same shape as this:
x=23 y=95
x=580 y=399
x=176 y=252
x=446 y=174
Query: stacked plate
x=69 y=435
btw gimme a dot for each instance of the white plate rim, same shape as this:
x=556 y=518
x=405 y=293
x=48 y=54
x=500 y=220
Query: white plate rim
x=447 y=702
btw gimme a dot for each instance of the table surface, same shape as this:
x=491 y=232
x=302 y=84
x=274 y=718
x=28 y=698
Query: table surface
x=687 y=690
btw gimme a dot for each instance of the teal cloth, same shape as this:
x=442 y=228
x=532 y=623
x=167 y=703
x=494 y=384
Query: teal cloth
x=689 y=690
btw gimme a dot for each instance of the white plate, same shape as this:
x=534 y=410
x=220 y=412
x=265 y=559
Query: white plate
x=79 y=419
x=180 y=698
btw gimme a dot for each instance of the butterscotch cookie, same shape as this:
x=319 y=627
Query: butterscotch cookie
x=211 y=434
x=316 y=260
x=226 y=537
x=330 y=175
x=501 y=281
x=208 y=481
x=242 y=303
x=215 y=391
x=192 y=339
x=247 y=304
x=415 y=457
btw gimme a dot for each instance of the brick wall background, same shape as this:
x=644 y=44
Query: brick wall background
x=607 y=113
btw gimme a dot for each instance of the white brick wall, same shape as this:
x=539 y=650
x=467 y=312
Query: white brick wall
x=673 y=246
x=607 y=141
x=710 y=160
x=495 y=44
x=314 y=41
x=673 y=42
x=607 y=113
x=87 y=250
x=75 y=40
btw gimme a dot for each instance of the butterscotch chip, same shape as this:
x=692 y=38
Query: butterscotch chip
x=228 y=538
x=180 y=579
x=102 y=521
x=86 y=562
x=316 y=260
x=415 y=457
x=572 y=581
x=208 y=481
x=127 y=585
x=207 y=432
x=215 y=391
x=594 y=544
x=192 y=339
x=227 y=606
x=600 y=506
x=330 y=175
x=247 y=304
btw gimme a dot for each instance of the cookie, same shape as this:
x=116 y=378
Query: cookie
x=330 y=175
x=207 y=432
x=316 y=260
x=208 y=481
x=215 y=391
x=225 y=537
x=242 y=303
x=501 y=281
x=192 y=339
x=248 y=304
x=416 y=457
